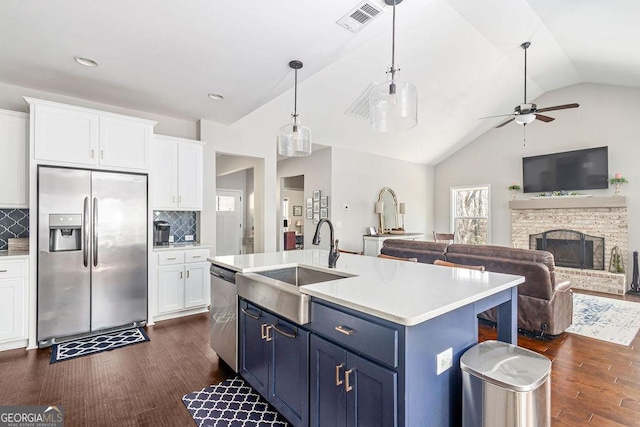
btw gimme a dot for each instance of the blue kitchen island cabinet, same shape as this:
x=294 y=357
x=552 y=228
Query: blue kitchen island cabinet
x=274 y=360
x=348 y=390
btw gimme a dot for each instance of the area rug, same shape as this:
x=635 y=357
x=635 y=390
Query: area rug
x=605 y=319
x=92 y=345
x=232 y=403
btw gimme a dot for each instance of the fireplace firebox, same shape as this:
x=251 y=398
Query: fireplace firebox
x=571 y=248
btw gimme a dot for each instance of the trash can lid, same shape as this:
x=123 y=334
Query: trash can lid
x=506 y=365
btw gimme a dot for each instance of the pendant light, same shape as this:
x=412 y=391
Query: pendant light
x=294 y=139
x=393 y=104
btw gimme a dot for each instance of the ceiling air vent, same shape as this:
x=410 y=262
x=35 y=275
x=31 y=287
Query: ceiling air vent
x=360 y=16
x=360 y=107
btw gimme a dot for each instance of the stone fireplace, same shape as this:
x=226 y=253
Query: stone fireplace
x=580 y=232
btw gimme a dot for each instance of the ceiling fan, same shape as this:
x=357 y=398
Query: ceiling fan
x=528 y=112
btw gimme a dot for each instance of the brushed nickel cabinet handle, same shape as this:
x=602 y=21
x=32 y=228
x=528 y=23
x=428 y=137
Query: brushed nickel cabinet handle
x=196 y=256
x=253 y=316
x=3 y=271
x=102 y=154
x=171 y=259
x=347 y=386
x=267 y=329
x=344 y=330
x=286 y=334
x=180 y=199
x=93 y=153
x=173 y=199
x=263 y=334
x=338 y=380
x=187 y=274
x=181 y=274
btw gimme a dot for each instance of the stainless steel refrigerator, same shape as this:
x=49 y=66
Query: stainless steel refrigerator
x=92 y=252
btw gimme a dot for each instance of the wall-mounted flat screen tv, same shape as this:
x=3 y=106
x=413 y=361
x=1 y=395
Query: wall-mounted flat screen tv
x=571 y=170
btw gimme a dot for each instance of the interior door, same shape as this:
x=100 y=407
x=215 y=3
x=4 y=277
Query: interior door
x=119 y=276
x=229 y=214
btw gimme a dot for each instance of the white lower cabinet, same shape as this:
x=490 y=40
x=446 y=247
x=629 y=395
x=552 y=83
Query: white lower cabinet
x=183 y=280
x=13 y=312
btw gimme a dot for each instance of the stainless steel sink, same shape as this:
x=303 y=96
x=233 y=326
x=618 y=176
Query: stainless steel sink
x=278 y=290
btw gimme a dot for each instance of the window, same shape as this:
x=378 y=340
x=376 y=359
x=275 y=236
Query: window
x=225 y=203
x=470 y=214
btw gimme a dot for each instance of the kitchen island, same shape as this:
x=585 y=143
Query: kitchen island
x=381 y=347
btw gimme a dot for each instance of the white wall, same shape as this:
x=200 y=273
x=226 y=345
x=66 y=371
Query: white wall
x=357 y=181
x=608 y=115
x=11 y=99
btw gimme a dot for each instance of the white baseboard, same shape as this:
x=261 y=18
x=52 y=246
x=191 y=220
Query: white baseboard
x=182 y=313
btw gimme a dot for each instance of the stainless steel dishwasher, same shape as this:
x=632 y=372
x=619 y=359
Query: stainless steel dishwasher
x=224 y=316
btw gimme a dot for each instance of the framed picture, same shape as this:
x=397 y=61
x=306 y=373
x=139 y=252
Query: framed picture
x=372 y=231
x=324 y=213
x=316 y=195
x=309 y=213
x=309 y=202
x=316 y=218
x=324 y=201
x=316 y=207
x=297 y=211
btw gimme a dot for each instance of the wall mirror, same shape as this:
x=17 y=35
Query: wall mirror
x=390 y=208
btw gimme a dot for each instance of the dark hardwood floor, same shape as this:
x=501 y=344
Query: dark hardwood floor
x=594 y=383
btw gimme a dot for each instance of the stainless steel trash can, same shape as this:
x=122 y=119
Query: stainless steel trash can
x=504 y=385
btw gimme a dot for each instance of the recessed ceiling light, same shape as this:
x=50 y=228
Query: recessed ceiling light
x=216 y=96
x=87 y=62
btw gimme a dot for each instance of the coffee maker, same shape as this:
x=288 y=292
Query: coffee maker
x=161 y=232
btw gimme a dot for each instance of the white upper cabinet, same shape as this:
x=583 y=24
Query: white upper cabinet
x=125 y=143
x=80 y=136
x=177 y=175
x=13 y=167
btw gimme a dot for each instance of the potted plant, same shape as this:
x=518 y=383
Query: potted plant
x=514 y=188
x=618 y=179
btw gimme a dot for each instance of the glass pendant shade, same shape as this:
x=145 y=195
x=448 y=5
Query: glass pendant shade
x=393 y=106
x=294 y=139
x=525 y=119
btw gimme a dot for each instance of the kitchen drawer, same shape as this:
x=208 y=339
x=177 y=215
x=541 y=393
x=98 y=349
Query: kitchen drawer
x=374 y=340
x=171 y=258
x=196 y=255
x=11 y=269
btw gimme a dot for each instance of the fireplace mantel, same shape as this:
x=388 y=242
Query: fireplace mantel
x=569 y=202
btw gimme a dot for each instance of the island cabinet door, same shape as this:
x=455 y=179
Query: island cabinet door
x=327 y=400
x=255 y=326
x=289 y=374
x=372 y=394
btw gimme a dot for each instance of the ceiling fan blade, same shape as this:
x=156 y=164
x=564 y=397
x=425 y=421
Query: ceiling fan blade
x=499 y=115
x=557 y=107
x=505 y=122
x=545 y=119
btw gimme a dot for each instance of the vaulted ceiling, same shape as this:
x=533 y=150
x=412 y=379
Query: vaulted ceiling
x=464 y=56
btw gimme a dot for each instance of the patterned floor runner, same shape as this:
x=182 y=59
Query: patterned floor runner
x=91 y=345
x=605 y=319
x=232 y=403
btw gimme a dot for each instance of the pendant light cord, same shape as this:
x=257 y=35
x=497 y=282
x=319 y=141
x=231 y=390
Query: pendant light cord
x=393 y=43
x=525 y=75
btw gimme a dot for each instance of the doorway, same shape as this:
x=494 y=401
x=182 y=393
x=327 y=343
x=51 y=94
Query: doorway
x=229 y=222
x=293 y=210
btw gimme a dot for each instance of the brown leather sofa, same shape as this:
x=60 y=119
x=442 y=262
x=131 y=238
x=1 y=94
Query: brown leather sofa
x=544 y=306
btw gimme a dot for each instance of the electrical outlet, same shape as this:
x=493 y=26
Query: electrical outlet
x=170 y=239
x=444 y=361
x=188 y=238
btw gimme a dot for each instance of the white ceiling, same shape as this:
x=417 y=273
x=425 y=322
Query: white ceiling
x=163 y=56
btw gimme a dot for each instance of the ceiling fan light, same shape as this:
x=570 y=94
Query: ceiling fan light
x=525 y=119
x=294 y=139
x=393 y=106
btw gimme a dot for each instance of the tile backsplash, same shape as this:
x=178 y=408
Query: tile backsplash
x=181 y=223
x=13 y=223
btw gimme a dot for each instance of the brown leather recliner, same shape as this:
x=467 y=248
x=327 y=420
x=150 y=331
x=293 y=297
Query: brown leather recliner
x=543 y=305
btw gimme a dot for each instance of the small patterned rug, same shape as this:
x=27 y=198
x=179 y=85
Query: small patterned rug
x=605 y=319
x=91 y=345
x=232 y=403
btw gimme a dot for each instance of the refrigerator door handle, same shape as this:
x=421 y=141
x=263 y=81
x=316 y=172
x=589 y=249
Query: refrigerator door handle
x=85 y=232
x=95 y=232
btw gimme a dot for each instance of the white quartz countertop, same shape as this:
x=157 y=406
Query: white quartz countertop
x=399 y=291
x=180 y=246
x=14 y=254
